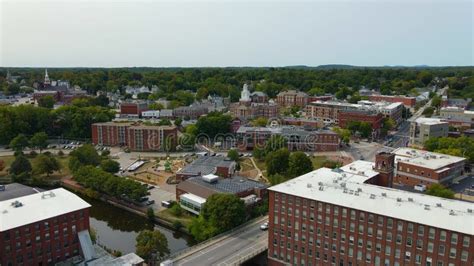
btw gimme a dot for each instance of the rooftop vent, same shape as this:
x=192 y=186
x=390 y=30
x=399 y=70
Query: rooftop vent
x=438 y=205
x=399 y=199
x=372 y=196
x=469 y=210
x=356 y=193
x=334 y=180
x=410 y=199
x=321 y=188
x=345 y=190
x=451 y=212
x=309 y=185
x=49 y=194
x=320 y=183
x=359 y=189
x=343 y=184
x=16 y=204
x=384 y=194
x=427 y=207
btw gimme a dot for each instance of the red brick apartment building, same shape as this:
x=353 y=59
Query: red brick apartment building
x=374 y=119
x=407 y=101
x=41 y=228
x=336 y=217
x=292 y=98
x=136 y=136
x=415 y=167
x=132 y=109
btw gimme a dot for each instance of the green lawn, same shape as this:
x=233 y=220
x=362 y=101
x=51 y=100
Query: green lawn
x=167 y=215
x=318 y=161
x=64 y=161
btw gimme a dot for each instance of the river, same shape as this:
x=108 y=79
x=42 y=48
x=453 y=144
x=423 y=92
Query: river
x=117 y=229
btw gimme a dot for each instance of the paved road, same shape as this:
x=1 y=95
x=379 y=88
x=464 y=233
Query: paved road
x=229 y=250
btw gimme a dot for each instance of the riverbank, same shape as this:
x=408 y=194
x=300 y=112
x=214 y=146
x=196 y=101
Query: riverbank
x=162 y=220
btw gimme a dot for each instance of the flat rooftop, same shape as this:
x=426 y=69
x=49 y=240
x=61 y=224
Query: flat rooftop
x=425 y=159
x=205 y=165
x=344 y=189
x=430 y=121
x=16 y=190
x=37 y=207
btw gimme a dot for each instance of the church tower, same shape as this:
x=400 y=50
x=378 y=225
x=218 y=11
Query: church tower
x=384 y=164
x=47 y=82
x=245 y=95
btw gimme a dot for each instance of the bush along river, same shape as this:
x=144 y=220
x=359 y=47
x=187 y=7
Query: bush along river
x=117 y=229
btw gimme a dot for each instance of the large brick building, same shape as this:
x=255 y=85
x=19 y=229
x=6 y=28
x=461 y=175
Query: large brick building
x=253 y=105
x=205 y=165
x=292 y=98
x=297 y=138
x=41 y=228
x=415 y=167
x=409 y=102
x=336 y=217
x=133 y=109
x=136 y=136
x=374 y=119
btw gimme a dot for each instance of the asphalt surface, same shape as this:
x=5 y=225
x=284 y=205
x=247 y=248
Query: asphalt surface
x=229 y=250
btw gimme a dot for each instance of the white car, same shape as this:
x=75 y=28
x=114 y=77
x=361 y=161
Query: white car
x=420 y=187
x=264 y=226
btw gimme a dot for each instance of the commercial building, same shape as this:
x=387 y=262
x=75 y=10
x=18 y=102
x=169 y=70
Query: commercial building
x=424 y=128
x=193 y=192
x=367 y=116
x=336 y=217
x=292 y=98
x=136 y=136
x=193 y=111
x=455 y=102
x=408 y=102
x=132 y=109
x=297 y=138
x=42 y=228
x=457 y=117
x=415 y=167
x=205 y=165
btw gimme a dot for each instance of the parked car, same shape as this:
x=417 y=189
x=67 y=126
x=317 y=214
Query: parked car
x=264 y=226
x=420 y=187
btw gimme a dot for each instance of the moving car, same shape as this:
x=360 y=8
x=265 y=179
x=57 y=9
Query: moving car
x=420 y=187
x=264 y=226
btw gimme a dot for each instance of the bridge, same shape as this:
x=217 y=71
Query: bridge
x=230 y=248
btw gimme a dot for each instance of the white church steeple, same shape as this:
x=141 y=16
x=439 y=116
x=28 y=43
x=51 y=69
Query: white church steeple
x=245 y=95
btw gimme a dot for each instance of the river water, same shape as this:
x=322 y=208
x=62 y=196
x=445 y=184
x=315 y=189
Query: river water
x=117 y=229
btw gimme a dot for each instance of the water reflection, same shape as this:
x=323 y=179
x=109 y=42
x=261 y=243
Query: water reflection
x=117 y=228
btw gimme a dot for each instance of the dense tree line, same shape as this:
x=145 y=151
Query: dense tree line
x=462 y=146
x=68 y=121
x=228 y=81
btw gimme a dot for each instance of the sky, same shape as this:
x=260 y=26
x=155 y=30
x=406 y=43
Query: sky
x=106 y=33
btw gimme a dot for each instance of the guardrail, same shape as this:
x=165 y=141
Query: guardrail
x=251 y=255
x=210 y=240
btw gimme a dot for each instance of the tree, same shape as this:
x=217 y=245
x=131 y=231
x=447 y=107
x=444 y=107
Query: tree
x=233 y=155
x=47 y=101
x=258 y=153
x=275 y=142
x=277 y=161
x=45 y=164
x=19 y=143
x=214 y=123
x=344 y=134
x=110 y=166
x=151 y=244
x=259 y=122
x=82 y=156
x=20 y=165
x=39 y=141
x=150 y=213
x=436 y=101
x=439 y=190
x=276 y=179
x=12 y=89
x=178 y=121
x=428 y=112
x=155 y=106
x=299 y=164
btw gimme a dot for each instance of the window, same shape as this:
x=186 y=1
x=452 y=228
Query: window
x=361 y=229
x=378 y=247
x=351 y=252
x=389 y=237
x=454 y=238
x=441 y=250
x=400 y=226
x=464 y=255
x=371 y=218
x=431 y=233
x=359 y=255
x=419 y=244
x=430 y=247
x=418 y=259
x=379 y=233
x=351 y=227
x=389 y=223
x=442 y=236
x=360 y=242
x=421 y=230
x=410 y=228
x=370 y=231
x=368 y=258
x=399 y=239
x=380 y=221
x=361 y=216
x=351 y=240
x=409 y=241
x=407 y=255
x=353 y=214
x=452 y=253
x=344 y=212
x=369 y=245
x=397 y=253
x=343 y=238
x=465 y=241
x=388 y=250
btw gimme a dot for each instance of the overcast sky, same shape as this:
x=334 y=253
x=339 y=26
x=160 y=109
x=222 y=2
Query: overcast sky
x=235 y=33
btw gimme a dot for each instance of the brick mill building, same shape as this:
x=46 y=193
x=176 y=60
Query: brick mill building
x=41 y=228
x=292 y=98
x=133 y=109
x=408 y=102
x=337 y=217
x=415 y=167
x=136 y=136
x=297 y=138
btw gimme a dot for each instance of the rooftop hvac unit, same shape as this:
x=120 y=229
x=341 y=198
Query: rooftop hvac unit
x=343 y=184
x=451 y=212
x=321 y=188
x=384 y=194
x=356 y=193
x=320 y=183
x=427 y=207
x=16 y=204
x=210 y=178
x=309 y=185
x=438 y=205
x=399 y=199
x=359 y=189
x=372 y=196
x=469 y=210
x=345 y=190
x=410 y=199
